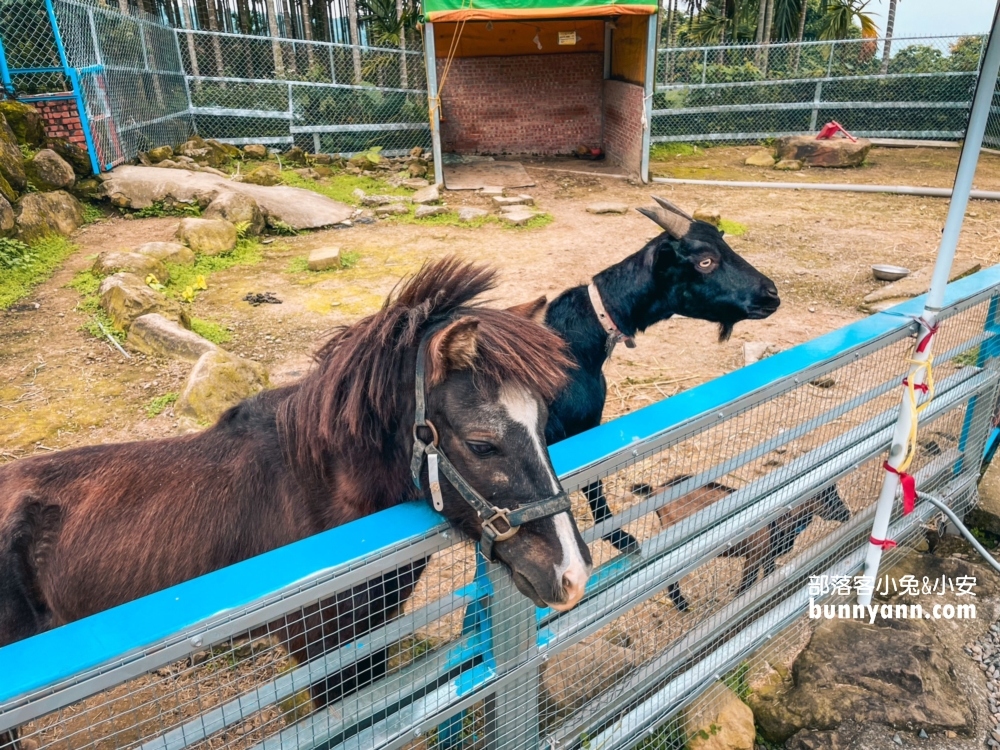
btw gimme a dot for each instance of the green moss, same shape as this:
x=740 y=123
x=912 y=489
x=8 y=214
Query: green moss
x=158 y=404
x=248 y=252
x=92 y=213
x=341 y=187
x=210 y=330
x=733 y=228
x=23 y=267
x=664 y=151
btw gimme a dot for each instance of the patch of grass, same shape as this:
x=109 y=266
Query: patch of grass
x=159 y=208
x=210 y=330
x=349 y=259
x=91 y=306
x=967 y=358
x=668 y=736
x=737 y=681
x=24 y=266
x=298 y=265
x=664 y=151
x=282 y=229
x=91 y=213
x=451 y=219
x=248 y=252
x=733 y=228
x=156 y=405
x=341 y=187
x=86 y=283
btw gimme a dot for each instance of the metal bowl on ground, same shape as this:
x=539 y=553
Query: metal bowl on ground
x=884 y=272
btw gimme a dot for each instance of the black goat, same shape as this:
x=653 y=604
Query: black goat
x=687 y=270
x=759 y=550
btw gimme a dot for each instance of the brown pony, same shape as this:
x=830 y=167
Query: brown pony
x=86 y=529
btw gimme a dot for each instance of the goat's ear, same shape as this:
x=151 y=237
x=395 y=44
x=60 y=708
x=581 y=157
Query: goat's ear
x=534 y=310
x=452 y=348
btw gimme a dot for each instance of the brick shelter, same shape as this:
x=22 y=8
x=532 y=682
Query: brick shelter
x=523 y=80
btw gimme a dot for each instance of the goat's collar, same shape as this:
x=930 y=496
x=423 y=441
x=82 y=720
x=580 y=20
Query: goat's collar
x=614 y=334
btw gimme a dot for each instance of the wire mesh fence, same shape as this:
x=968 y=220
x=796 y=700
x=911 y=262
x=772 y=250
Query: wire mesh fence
x=27 y=41
x=745 y=93
x=734 y=503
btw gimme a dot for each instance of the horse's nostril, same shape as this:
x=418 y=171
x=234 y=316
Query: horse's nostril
x=574 y=583
x=772 y=291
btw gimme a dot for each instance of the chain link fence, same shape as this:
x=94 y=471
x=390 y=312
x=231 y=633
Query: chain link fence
x=746 y=93
x=413 y=641
x=29 y=56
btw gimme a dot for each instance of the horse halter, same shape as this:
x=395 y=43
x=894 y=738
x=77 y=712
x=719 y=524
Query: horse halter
x=509 y=519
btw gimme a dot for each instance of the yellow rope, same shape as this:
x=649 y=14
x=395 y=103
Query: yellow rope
x=916 y=410
x=434 y=102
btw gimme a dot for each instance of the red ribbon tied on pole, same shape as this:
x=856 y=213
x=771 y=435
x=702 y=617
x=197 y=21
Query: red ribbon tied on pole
x=885 y=544
x=909 y=485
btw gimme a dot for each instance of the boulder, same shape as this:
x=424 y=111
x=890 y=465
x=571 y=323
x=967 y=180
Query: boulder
x=788 y=165
x=417 y=168
x=89 y=188
x=917 y=283
x=218 y=381
x=6 y=218
x=41 y=214
x=607 y=208
x=266 y=175
x=573 y=677
x=236 y=208
x=168 y=252
x=468 y=213
x=25 y=121
x=210 y=153
x=378 y=200
x=518 y=215
x=307 y=172
x=46 y=170
x=719 y=720
x=113 y=261
x=77 y=157
x=255 y=151
x=158 y=154
x=760 y=158
x=324 y=258
x=125 y=297
x=324 y=159
x=423 y=212
x=294 y=155
x=429 y=194
x=415 y=183
x=708 y=215
x=207 y=236
x=157 y=336
x=513 y=200
x=13 y=181
x=829 y=152
x=393 y=209
x=140 y=187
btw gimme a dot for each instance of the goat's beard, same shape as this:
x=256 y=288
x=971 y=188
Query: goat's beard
x=725 y=331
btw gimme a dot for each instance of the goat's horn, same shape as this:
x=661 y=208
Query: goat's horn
x=671 y=207
x=676 y=226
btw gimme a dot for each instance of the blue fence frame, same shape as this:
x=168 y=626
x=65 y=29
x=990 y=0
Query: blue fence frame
x=111 y=638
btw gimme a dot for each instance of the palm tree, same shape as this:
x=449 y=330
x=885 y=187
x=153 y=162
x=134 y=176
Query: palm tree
x=839 y=17
x=890 y=22
x=801 y=34
x=352 y=20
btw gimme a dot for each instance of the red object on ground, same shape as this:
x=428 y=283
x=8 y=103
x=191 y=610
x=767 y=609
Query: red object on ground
x=831 y=129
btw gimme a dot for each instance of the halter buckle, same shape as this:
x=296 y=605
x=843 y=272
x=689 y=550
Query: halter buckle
x=490 y=524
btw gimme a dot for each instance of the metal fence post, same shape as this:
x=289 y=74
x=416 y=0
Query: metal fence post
x=704 y=67
x=647 y=97
x=817 y=98
x=187 y=80
x=5 y=79
x=513 y=709
x=433 y=101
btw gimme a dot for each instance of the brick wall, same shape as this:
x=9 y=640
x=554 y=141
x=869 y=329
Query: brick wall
x=62 y=120
x=529 y=104
x=623 y=106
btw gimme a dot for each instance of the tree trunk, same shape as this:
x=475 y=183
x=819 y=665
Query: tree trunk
x=307 y=32
x=272 y=28
x=759 y=35
x=211 y=10
x=243 y=12
x=802 y=33
x=404 y=73
x=890 y=21
x=768 y=23
x=352 y=19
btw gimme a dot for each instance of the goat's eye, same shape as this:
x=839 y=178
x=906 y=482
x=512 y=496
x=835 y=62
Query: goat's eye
x=706 y=263
x=480 y=448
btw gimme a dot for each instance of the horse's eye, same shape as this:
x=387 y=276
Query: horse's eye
x=480 y=448
x=706 y=263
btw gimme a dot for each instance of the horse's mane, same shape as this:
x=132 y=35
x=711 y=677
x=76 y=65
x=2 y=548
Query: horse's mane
x=363 y=385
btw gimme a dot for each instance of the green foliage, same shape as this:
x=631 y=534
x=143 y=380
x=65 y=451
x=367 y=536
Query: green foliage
x=737 y=681
x=341 y=187
x=839 y=17
x=733 y=228
x=210 y=330
x=156 y=405
x=298 y=265
x=91 y=213
x=159 y=208
x=248 y=252
x=86 y=283
x=282 y=228
x=967 y=358
x=349 y=259
x=98 y=319
x=965 y=54
x=919 y=58
x=668 y=736
x=22 y=267
x=27 y=152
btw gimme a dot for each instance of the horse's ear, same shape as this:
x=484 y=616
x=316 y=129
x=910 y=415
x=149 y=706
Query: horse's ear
x=534 y=310
x=452 y=348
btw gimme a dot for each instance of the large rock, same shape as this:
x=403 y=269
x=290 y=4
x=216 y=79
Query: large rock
x=429 y=194
x=424 y=212
x=6 y=218
x=255 y=151
x=207 y=236
x=471 y=213
x=573 y=677
x=210 y=153
x=48 y=171
x=218 y=381
x=25 y=121
x=829 y=152
x=294 y=155
x=265 y=175
x=41 y=214
x=13 y=181
x=140 y=187
x=236 y=208
x=158 y=154
x=113 y=261
x=125 y=297
x=155 y=335
x=917 y=283
x=75 y=156
x=719 y=720
x=168 y=252
x=760 y=158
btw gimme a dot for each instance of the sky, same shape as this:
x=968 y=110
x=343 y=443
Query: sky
x=934 y=17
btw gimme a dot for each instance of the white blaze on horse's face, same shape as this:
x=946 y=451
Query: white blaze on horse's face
x=524 y=408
